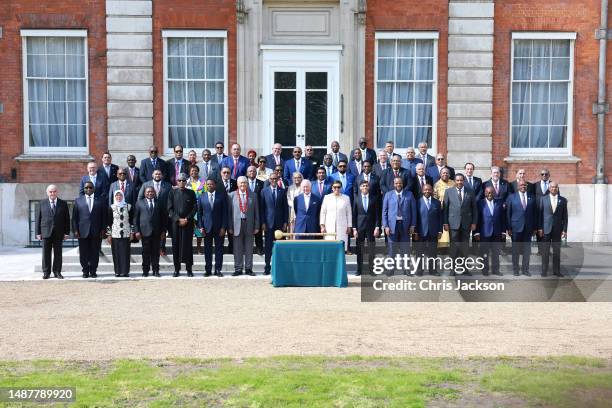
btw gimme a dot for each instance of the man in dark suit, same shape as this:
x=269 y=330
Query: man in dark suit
x=427 y=159
x=133 y=172
x=208 y=168
x=237 y=163
x=420 y=181
x=520 y=176
x=255 y=186
x=212 y=219
x=147 y=166
x=460 y=217
x=52 y=227
x=99 y=181
x=522 y=223
x=150 y=225
x=434 y=171
x=500 y=186
x=307 y=208
x=162 y=189
x=541 y=187
x=126 y=187
x=355 y=166
x=297 y=164
x=367 y=154
x=321 y=186
x=274 y=215
x=411 y=161
x=387 y=180
x=177 y=165
x=371 y=178
x=366 y=224
x=336 y=154
x=219 y=155
x=552 y=227
x=429 y=229
x=89 y=226
x=227 y=184
x=472 y=182
x=491 y=230
x=275 y=158
x=309 y=154
x=399 y=217
x=182 y=206
x=382 y=165
x=108 y=169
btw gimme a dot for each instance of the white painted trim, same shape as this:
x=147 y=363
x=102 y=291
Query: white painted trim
x=543 y=35
x=53 y=33
x=406 y=35
x=195 y=33
x=289 y=47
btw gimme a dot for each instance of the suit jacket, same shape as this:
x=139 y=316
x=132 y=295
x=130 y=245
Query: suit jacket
x=232 y=183
x=136 y=179
x=476 y=186
x=86 y=224
x=164 y=190
x=252 y=213
x=386 y=180
x=352 y=168
x=101 y=186
x=306 y=169
x=243 y=164
x=49 y=224
x=307 y=220
x=519 y=220
x=347 y=186
x=212 y=219
x=171 y=169
x=460 y=215
x=150 y=223
x=407 y=209
x=378 y=170
x=537 y=187
x=271 y=163
x=429 y=160
x=416 y=186
x=373 y=183
x=370 y=155
x=326 y=188
x=273 y=213
x=259 y=185
x=411 y=165
x=213 y=171
x=215 y=159
x=146 y=169
x=491 y=225
x=429 y=221
x=434 y=172
x=130 y=194
x=513 y=188
x=112 y=177
x=503 y=191
x=365 y=221
x=341 y=156
x=327 y=172
x=549 y=221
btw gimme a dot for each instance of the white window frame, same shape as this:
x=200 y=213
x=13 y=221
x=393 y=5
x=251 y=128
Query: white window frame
x=51 y=151
x=168 y=150
x=544 y=151
x=410 y=35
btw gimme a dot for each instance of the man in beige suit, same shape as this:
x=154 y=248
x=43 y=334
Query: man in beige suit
x=243 y=216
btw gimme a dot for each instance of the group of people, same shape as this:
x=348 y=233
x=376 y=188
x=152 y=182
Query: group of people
x=417 y=200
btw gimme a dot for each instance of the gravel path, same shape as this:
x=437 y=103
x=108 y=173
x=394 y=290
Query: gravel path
x=239 y=318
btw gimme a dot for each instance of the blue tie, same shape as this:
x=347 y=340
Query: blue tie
x=365 y=203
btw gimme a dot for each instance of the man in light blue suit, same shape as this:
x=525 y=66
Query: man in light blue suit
x=399 y=217
x=298 y=163
x=345 y=178
x=237 y=163
x=307 y=207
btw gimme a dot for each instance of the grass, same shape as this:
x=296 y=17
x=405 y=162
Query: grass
x=290 y=381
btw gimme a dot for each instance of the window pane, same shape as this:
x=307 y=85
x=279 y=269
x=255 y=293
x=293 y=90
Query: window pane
x=197 y=115
x=520 y=92
x=37 y=66
x=214 y=47
x=76 y=136
x=522 y=69
x=423 y=93
x=561 y=48
x=404 y=137
x=213 y=134
x=284 y=80
x=214 y=68
x=76 y=91
x=425 y=48
x=76 y=113
x=214 y=91
x=560 y=68
x=522 y=49
x=405 y=93
x=196 y=91
x=385 y=114
x=558 y=137
x=37 y=112
x=176 y=91
x=520 y=136
x=214 y=115
x=56 y=90
x=422 y=115
x=56 y=45
x=316 y=80
x=385 y=93
x=541 y=69
x=39 y=136
x=177 y=135
x=558 y=114
x=386 y=48
x=558 y=92
x=540 y=92
x=56 y=66
x=520 y=114
x=385 y=69
x=422 y=134
x=57 y=135
x=75 y=67
x=36 y=45
x=57 y=112
x=196 y=47
x=37 y=90
x=176 y=46
x=196 y=137
x=176 y=114
x=195 y=67
x=405 y=48
x=539 y=136
x=74 y=46
x=405 y=69
x=404 y=115
x=541 y=49
x=424 y=69
x=384 y=134
x=539 y=114
x=176 y=67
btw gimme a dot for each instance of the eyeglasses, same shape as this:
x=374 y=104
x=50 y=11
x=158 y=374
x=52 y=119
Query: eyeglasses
x=439 y=158
x=335 y=187
x=297 y=151
x=225 y=172
x=543 y=174
x=218 y=147
x=178 y=151
x=181 y=181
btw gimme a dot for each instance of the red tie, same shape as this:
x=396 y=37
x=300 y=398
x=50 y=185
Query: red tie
x=396 y=173
x=280 y=183
x=122 y=188
x=235 y=166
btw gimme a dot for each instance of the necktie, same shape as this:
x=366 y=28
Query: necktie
x=336 y=159
x=89 y=203
x=206 y=170
x=422 y=182
x=235 y=166
x=545 y=187
x=396 y=173
x=53 y=207
x=153 y=161
x=122 y=187
x=428 y=203
x=384 y=166
x=274 y=194
x=496 y=189
x=320 y=188
x=297 y=165
x=93 y=180
x=306 y=201
x=227 y=186
x=157 y=188
x=280 y=183
x=132 y=174
x=365 y=203
x=553 y=202
x=399 y=204
x=176 y=168
x=252 y=186
x=150 y=205
x=460 y=197
x=358 y=166
x=491 y=208
x=328 y=171
x=211 y=199
x=277 y=160
x=107 y=171
x=367 y=178
x=470 y=182
x=523 y=202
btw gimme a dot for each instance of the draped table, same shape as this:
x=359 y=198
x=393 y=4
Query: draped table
x=309 y=263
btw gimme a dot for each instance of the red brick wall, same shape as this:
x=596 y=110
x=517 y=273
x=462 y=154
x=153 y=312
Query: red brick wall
x=198 y=15
x=580 y=16
x=403 y=15
x=59 y=14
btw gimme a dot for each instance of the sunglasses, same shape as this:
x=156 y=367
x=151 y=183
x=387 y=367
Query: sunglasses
x=181 y=181
x=152 y=151
x=342 y=165
x=88 y=187
x=335 y=187
x=543 y=174
x=440 y=158
x=178 y=151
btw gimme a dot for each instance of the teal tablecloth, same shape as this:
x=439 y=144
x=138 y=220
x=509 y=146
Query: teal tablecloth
x=309 y=263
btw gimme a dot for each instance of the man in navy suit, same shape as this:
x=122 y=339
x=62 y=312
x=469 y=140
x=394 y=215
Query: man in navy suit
x=522 y=223
x=274 y=215
x=336 y=154
x=355 y=166
x=429 y=229
x=420 y=181
x=147 y=166
x=274 y=158
x=328 y=165
x=99 y=181
x=367 y=154
x=133 y=172
x=345 y=178
x=150 y=225
x=387 y=180
x=298 y=163
x=434 y=171
x=322 y=185
x=552 y=226
x=371 y=178
x=500 y=186
x=491 y=230
x=399 y=217
x=89 y=226
x=366 y=224
x=410 y=162
x=219 y=155
x=427 y=159
x=307 y=207
x=108 y=169
x=212 y=221
x=177 y=165
x=472 y=182
x=237 y=163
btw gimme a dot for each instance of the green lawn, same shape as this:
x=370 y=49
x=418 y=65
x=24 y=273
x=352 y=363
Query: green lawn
x=324 y=381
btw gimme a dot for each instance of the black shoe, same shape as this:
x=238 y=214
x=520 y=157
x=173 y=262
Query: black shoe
x=485 y=273
x=358 y=273
x=176 y=274
x=250 y=272
x=544 y=274
x=558 y=274
x=93 y=275
x=85 y=275
x=219 y=274
x=266 y=272
x=207 y=274
x=237 y=273
x=59 y=275
x=126 y=275
x=145 y=274
x=117 y=275
x=434 y=273
x=515 y=273
x=498 y=273
x=189 y=274
x=526 y=273
x=467 y=273
x=156 y=274
x=452 y=273
x=46 y=275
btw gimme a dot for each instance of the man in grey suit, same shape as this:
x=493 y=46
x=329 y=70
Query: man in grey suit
x=552 y=227
x=460 y=217
x=243 y=217
x=208 y=168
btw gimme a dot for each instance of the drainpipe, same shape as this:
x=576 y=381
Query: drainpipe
x=600 y=219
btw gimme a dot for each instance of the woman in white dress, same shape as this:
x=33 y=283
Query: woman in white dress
x=336 y=215
x=293 y=191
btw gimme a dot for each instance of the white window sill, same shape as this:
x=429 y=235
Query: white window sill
x=542 y=159
x=83 y=158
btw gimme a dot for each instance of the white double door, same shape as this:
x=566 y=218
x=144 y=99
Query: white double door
x=301 y=100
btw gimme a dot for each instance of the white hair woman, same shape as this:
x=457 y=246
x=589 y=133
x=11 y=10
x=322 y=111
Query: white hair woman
x=336 y=214
x=120 y=233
